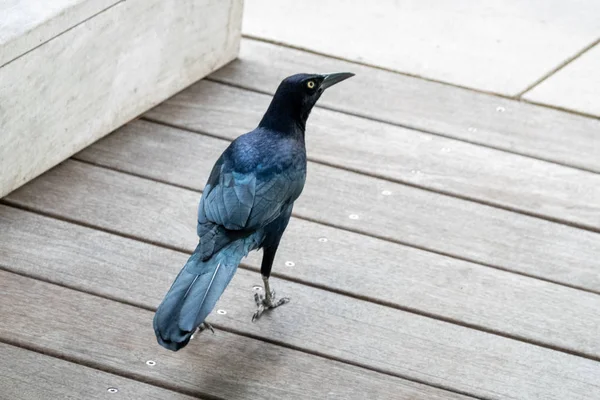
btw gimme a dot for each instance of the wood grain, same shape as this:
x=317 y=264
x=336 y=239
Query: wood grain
x=479 y=118
x=26 y=375
x=28 y=23
x=369 y=268
x=432 y=162
x=105 y=72
x=422 y=219
x=119 y=337
x=337 y=326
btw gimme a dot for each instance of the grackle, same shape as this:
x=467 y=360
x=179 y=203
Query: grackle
x=246 y=205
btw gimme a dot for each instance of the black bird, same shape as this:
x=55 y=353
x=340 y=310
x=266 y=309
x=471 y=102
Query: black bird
x=246 y=205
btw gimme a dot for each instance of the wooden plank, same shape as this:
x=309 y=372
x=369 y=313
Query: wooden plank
x=105 y=72
x=25 y=375
x=322 y=322
x=574 y=87
x=450 y=166
x=422 y=219
x=29 y=23
x=431 y=284
x=223 y=365
x=479 y=118
x=494 y=46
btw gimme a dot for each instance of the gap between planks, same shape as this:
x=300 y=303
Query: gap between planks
x=471 y=199
x=305 y=218
x=101 y=367
x=366 y=64
x=517 y=97
x=82 y=378
x=230 y=76
x=416 y=128
x=383 y=303
x=237 y=301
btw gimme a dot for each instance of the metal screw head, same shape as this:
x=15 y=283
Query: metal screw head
x=112 y=390
x=386 y=193
x=221 y=312
x=323 y=239
x=289 y=263
x=500 y=109
x=353 y=216
x=471 y=129
x=151 y=363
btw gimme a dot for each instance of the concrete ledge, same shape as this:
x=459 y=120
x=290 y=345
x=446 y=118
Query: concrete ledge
x=27 y=24
x=59 y=97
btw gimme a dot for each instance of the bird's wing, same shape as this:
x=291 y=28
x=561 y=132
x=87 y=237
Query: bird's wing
x=273 y=195
x=249 y=200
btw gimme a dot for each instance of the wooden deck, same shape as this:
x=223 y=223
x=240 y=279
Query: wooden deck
x=446 y=246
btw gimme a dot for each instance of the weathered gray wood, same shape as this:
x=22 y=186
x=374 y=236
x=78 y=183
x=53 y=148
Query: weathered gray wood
x=445 y=110
x=464 y=292
x=500 y=46
x=26 y=375
x=440 y=223
x=105 y=72
x=29 y=23
x=318 y=321
x=428 y=283
x=120 y=337
x=431 y=284
x=450 y=166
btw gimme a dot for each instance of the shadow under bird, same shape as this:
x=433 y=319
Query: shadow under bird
x=246 y=205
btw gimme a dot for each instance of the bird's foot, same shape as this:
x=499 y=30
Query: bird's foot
x=264 y=303
x=203 y=326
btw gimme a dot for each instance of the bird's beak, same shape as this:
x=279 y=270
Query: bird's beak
x=331 y=79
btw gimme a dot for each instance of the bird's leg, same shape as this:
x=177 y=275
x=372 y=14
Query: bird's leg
x=268 y=301
x=270 y=296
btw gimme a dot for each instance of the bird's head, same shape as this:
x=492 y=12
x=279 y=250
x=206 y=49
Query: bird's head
x=295 y=98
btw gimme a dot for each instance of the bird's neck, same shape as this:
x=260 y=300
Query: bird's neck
x=285 y=117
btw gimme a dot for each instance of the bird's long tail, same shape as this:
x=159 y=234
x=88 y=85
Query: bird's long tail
x=194 y=294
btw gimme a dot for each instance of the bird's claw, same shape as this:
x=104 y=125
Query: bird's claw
x=204 y=326
x=266 y=303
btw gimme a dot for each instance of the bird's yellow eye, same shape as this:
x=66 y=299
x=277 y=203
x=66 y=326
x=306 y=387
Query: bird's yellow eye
x=310 y=84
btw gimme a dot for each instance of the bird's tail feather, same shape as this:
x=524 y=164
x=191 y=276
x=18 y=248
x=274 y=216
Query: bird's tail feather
x=194 y=294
